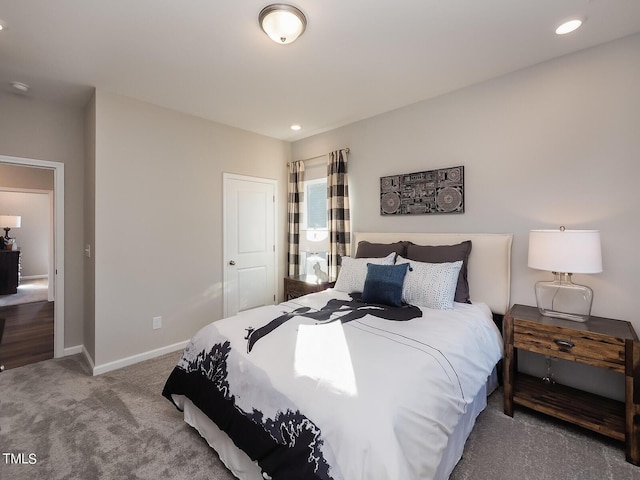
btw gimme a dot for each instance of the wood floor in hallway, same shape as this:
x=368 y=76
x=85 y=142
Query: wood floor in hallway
x=28 y=334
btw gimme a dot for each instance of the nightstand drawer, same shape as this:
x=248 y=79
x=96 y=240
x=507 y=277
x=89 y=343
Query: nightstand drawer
x=295 y=289
x=599 y=351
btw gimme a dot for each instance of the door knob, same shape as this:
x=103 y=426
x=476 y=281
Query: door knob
x=231 y=262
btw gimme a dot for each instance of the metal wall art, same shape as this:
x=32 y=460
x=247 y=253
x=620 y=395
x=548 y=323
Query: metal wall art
x=432 y=191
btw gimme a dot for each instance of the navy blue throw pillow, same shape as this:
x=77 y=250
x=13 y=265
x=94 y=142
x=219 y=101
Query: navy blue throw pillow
x=384 y=284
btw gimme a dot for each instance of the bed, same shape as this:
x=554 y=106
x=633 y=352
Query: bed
x=340 y=385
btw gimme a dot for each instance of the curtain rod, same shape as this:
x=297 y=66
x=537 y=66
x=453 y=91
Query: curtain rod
x=318 y=156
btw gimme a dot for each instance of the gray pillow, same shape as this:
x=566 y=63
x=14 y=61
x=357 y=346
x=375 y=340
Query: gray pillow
x=442 y=254
x=379 y=250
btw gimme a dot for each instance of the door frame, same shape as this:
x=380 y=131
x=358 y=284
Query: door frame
x=58 y=242
x=225 y=280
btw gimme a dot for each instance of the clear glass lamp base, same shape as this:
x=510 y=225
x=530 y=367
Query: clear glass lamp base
x=562 y=298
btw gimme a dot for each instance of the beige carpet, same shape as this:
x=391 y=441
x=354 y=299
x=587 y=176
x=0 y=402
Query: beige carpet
x=532 y=446
x=29 y=291
x=118 y=426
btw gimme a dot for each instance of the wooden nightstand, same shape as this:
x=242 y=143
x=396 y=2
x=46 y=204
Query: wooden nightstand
x=302 y=284
x=600 y=342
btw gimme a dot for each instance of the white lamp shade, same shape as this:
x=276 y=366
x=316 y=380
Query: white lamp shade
x=10 y=221
x=283 y=23
x=566 y=251
x=314 y=241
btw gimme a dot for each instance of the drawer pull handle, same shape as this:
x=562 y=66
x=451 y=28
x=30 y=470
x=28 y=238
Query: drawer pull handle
x=564 y=343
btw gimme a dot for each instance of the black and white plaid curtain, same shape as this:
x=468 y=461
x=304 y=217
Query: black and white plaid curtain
x=338 y=209
x=294 y=200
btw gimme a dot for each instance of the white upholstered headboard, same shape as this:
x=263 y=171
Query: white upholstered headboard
x=489 y=268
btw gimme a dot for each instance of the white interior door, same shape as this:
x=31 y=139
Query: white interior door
x=249 y=242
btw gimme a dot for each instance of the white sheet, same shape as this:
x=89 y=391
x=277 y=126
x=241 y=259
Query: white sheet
x=386 y=395
x=244 y=468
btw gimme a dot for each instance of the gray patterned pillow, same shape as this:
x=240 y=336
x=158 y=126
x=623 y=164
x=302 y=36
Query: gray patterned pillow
x=431 y=285
x=353 y=272
x=445 y=253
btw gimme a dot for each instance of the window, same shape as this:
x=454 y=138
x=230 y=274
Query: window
x=315 y=205
x=314 y=229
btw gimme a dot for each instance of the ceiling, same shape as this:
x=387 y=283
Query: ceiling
x=357 y=58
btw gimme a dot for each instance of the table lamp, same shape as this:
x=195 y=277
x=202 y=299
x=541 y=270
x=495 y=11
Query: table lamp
x=313 y=243
x=564 y=252
x=8 y=222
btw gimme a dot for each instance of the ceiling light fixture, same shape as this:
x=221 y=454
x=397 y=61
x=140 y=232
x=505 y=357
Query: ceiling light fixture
x=21 y=87
x=295 y=127
x=568 y=27
x=282 y=23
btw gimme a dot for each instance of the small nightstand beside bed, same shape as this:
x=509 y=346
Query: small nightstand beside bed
x=327 y=386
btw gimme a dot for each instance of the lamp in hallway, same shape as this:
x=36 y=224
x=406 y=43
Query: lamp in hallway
x=8 y=222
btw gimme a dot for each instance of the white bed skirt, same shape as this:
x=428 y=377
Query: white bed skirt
x=245 y=469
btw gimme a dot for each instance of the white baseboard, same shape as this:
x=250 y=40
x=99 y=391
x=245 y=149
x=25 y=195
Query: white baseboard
x=73 y=350
x=79 y=349
x=88 y=358
x=125 y=362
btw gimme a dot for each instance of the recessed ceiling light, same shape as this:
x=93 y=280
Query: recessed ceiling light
x=21 y=87
x=568 y=27
x=295 y=127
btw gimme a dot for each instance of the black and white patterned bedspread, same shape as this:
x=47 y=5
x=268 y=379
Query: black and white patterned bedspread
x=326 y=387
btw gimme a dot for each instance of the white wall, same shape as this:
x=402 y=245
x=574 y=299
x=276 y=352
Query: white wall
x=33 y=235
x=555 y=144
x=46 y=131
x=28 y=178
x=158 y=220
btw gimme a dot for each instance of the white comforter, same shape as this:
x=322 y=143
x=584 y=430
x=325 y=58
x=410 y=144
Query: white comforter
x=383 y=395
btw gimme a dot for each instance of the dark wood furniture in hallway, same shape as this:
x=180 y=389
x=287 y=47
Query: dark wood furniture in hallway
x=28 y=334
x=9 y=271
x=2 y=321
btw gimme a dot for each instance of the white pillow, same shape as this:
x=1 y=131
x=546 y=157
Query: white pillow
x=353 y=272
x=431 y=285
